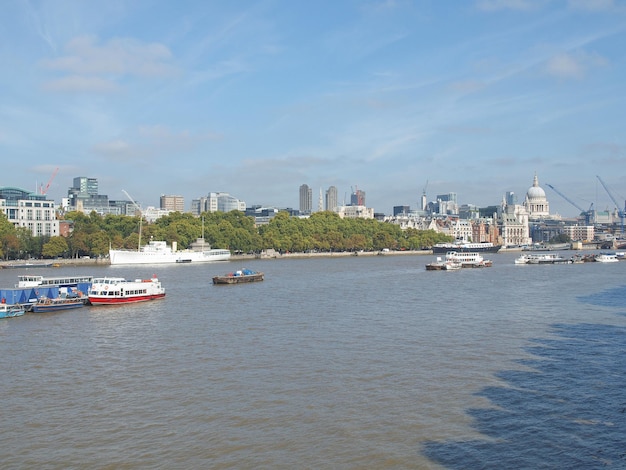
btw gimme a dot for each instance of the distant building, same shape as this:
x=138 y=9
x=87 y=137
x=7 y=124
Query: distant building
x=355 y=212
x=306 y=199
x=151 y=214
x=172 y=203
x=29 y=210
x=447 y=204
x=357 y=198
x=83 y=197
x=401 y=210
x=262 y=215
x=514 y=227
x=536 y=203
x=217 y=202
x=331 y=198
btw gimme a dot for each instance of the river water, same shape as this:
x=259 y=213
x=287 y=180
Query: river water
x=358 y=362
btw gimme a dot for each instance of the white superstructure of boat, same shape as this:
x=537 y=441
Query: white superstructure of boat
x=607 y=258
x=158 y=252
x=468 y=259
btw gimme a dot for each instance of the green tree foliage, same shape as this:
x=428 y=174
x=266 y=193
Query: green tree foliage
x=7 y=232
x=93 y=234
x=56 y=246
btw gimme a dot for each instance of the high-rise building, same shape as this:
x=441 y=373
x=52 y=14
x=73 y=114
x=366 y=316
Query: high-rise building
x=83 y=197
x=306 y=199
x=357 y=198
x=173 y=203
x=331 y=198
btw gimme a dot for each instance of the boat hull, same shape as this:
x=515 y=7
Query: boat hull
x=116 y=291
x=257 y=277
x=56 y=305
x=97 y=300
x=11 y=311
x=137 y=257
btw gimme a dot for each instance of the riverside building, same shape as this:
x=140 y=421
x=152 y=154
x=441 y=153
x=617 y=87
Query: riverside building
x=29 y=210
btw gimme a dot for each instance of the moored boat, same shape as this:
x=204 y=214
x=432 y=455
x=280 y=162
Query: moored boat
x=10 y=311
x=117 y=290
x=45 y=304
x=28 y=280
x=606 y=258
x=158 y=252
x=468 y=259
x=239 y=277
x=547 y=258
x=443 y=265
x=466 y=247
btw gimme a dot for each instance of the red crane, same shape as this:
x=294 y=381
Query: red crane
x=43 y=190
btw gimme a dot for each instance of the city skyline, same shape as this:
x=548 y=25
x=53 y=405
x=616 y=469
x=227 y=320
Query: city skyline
x=256 y=98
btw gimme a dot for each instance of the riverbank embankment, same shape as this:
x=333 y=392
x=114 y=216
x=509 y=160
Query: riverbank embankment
x=271 y=254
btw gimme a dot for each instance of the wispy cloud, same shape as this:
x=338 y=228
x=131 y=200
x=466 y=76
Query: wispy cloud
x=520 y=5
x=573 y=65
x=592 y=5
x=89 y=66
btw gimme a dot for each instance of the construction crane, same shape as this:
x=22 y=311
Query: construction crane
x=140 y=217
x=44 y=190
x=566 y=198
x=620 y=212
x=589 y=219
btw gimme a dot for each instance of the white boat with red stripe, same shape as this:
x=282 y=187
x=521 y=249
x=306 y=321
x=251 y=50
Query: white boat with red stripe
x=117 y=290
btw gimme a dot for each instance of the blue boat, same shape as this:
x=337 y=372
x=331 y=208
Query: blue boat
x=44 y=304
x=9 y=311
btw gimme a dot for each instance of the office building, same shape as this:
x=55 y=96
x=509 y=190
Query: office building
x=306 y=199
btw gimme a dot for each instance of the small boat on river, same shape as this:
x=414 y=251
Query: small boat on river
x=10 y=311
x=239 y=277
x=117 y=290
x=606 y=258
x=443 y=265
x=543 y=258
x=45 y=304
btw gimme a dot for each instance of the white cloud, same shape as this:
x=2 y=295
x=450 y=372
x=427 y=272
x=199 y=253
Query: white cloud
x=573 y=65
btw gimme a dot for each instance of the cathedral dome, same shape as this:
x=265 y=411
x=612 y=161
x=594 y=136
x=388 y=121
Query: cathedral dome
x=535 y=193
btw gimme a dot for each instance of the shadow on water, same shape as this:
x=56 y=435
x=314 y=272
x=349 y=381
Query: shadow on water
x=568 y=411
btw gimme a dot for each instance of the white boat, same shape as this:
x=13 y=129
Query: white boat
x=546 y=258
x=482 y=247
x=443 y=265
x=607 y=258
x=117 y=290
x=158 y=252
x=522 y=259
x=60 y=281
x=467 y=259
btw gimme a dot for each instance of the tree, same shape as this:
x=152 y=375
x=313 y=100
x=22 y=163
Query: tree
x=9 y=241
x=55 y=247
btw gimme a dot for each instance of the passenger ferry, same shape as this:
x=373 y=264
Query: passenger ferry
x=466 y=247
x=61 y=281
x=468 y=259
x=117 y=290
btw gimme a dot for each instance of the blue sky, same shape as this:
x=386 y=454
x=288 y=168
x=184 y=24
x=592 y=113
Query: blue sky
x=255 y=98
